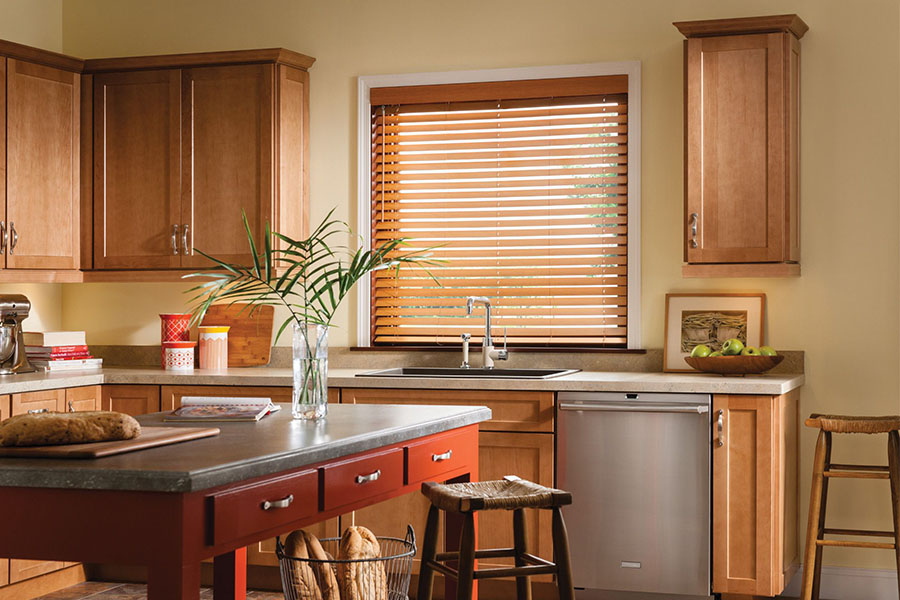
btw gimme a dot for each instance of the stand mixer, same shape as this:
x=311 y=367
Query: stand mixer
x=14 y=309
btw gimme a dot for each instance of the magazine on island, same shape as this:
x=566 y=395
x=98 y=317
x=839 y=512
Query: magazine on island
x=212 y=408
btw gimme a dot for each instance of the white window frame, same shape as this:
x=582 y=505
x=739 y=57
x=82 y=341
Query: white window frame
x=364 y=164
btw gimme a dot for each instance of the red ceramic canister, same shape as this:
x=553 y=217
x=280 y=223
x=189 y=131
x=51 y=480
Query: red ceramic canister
x=173 y=328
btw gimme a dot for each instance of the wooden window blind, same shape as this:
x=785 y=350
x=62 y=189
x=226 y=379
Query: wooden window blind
x=523 y=185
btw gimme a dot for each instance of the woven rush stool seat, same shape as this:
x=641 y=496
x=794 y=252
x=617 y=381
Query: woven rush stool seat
x=504 y=494
x=818 y=536
x=512 y=494
x=845 y=424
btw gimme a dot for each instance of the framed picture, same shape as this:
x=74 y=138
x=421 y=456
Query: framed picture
x=694 y=319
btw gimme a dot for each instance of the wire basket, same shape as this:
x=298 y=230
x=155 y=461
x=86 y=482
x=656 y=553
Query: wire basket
x=382 y=578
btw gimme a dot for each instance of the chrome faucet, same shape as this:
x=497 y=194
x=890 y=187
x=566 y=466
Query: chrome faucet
x=488 y=353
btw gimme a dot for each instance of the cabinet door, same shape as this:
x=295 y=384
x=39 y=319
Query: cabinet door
x=132 y=400
x=530 y=456
x=83 y=398
x=43 y=158
x=745 y=495
x=227 y=132
x=172 y=394
x=3 y=165
x=735 y=136
x=137 y=170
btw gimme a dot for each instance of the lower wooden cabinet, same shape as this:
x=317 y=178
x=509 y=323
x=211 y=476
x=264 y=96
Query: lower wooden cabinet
x=755 y=545
x=83 y=398
x=171 y=395
x=43 y=401
x=526 y=450
x=130 y=399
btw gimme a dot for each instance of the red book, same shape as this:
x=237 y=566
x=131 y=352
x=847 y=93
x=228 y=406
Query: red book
x=81 y=354
x=55 y=349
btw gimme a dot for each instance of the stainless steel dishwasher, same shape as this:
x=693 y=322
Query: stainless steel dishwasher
x=638 y=467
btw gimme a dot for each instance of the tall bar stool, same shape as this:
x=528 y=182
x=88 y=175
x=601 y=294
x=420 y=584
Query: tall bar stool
x=510 y=493
x=824 y=469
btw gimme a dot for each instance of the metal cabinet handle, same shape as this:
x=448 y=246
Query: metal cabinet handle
x=185 y=248
x=37 y=411
x=175 y=239
x=283 y=503
x=71 y=406
x=695 y=219
x=697 y=409
x=367 y=478
x=439 y=457
x=4 y=237
x=720 y=429
x=15 y=237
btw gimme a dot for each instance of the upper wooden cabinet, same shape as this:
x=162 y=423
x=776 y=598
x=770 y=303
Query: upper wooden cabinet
x=39 y=195
x=741 y=146
x=137 y=173
x=183 y=144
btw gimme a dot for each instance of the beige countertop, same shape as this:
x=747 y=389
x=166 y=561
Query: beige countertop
x=584 y=381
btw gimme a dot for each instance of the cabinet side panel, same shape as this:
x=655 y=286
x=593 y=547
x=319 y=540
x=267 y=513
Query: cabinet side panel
x=793 y=212
x=3 y=61
x=789 y=407
x=293 y=159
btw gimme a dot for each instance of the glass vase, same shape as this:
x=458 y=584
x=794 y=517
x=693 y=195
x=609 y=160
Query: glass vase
x=310 y=397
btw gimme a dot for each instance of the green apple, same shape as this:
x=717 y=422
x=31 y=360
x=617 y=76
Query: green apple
x=732 y=347
x=767 y=351
x=750 y=351
x=700 y=351
x=716 y=353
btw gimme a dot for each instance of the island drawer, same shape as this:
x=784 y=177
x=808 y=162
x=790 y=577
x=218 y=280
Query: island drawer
x=350 y=481
x=263 y=505
x=441 y=454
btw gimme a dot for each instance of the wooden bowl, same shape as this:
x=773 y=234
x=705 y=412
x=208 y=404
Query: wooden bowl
x=734 y=365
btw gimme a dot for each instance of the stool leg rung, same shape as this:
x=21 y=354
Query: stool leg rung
x=876 y=468
x=849 y=544
x=526 y=571
x=536 y=560
x=864 y=532
x=856 y=475
x=444 y=569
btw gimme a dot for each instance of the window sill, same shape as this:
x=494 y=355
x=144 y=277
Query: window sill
x=536 y=349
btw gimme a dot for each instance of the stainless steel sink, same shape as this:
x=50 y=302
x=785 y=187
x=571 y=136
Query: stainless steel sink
x=441 y=372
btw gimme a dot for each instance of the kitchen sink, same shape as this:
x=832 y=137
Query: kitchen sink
x=442 y=372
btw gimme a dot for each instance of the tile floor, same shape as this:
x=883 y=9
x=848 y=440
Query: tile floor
x=97 y=590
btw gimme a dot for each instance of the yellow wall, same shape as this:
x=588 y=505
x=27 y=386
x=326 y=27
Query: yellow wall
x=844 y=309
x=35 y=23
x=32 y=22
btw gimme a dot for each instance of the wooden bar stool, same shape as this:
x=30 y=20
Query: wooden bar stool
x=824 y=469
x=510 y=493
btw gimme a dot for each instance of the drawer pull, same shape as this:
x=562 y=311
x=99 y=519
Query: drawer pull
x=439 y=457
x=360 y=479
x=283 y=503
x=37 y=411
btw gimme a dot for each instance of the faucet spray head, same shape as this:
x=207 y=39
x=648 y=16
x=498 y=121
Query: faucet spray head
x=470 y=304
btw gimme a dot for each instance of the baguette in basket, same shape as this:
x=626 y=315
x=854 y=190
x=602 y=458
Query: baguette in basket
x=361 y=580
x=315 y=581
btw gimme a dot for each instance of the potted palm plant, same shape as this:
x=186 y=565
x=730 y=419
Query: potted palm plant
x=310 y=278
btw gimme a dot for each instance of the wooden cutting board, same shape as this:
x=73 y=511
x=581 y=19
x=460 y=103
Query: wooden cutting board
x=250 y=336
x=150 y=437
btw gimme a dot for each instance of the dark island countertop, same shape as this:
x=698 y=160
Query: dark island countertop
x=242 y=450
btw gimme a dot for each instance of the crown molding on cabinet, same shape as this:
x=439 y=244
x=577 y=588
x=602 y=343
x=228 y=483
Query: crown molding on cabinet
x=744 y=25
x=200 y=59
x=42 y=57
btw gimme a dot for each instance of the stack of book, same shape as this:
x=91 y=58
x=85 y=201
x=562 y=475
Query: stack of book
x=60 y=351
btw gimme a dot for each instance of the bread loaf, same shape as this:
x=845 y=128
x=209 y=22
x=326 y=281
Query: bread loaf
x=361 y=580
x=53 y=429
x=313 y=581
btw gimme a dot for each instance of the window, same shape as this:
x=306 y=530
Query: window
x=524 y=186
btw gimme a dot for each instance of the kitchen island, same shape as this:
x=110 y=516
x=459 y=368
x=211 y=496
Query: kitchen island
x=170 y=507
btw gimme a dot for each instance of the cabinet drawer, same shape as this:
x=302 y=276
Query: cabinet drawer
x=244 y=510
x=426 y=460
x=359 y=478
x=511 y=411
x=45 y=401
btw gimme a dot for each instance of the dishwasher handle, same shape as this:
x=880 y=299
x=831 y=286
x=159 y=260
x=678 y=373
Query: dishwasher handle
x=653 y=408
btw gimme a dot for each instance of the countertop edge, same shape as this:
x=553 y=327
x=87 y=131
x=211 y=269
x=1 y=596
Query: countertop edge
x=583 y=381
